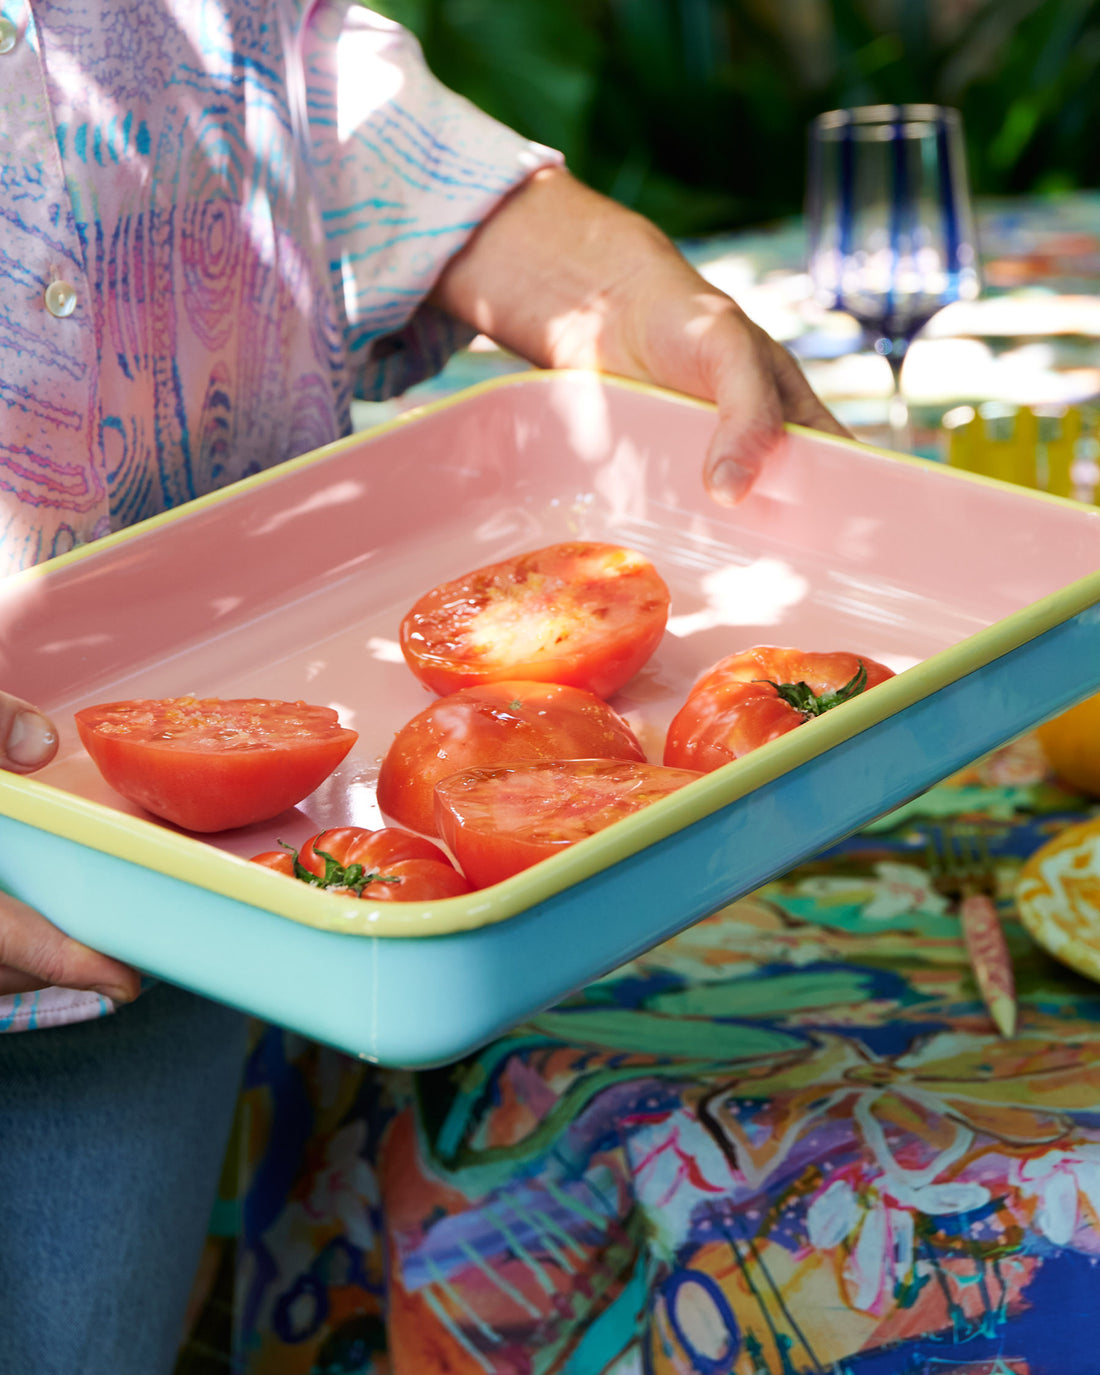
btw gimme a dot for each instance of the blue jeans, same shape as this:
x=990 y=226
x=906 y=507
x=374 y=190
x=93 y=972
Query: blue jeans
x=112 y=1135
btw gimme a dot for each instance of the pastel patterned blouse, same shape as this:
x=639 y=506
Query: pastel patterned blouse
x=219 y=220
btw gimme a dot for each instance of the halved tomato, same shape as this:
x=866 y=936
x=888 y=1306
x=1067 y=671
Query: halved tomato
x=495 y=724
x=210 y=765
x=500 y=821
x=748 y=699
x=584 y=614
x=387 y=865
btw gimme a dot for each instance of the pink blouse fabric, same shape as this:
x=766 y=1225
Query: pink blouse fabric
x=219 y=220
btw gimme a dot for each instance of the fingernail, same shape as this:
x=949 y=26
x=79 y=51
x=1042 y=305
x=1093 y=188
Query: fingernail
x=728 y=481
x=30 y=740
x=115 y=992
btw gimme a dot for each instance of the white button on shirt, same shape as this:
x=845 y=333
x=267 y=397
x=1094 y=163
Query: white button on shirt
x=9 y=35
x=61 y=298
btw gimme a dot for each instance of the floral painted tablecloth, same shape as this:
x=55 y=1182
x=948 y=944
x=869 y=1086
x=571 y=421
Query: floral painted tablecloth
x=786 y=1141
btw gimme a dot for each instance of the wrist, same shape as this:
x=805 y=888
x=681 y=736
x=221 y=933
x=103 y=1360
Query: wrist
x=553 y=273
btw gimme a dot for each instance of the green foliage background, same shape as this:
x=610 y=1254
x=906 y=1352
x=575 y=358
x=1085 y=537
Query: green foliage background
x=694 y=111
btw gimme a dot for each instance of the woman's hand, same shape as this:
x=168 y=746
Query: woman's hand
x=567 y=278
x=33 y=952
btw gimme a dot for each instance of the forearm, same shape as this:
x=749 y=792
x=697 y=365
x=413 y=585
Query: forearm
x=550 y=276
x=567 y=278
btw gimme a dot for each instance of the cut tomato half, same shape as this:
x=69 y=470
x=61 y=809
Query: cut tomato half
x=584 y=614
x=211 y=765
x=499 y=821
x=494 y=724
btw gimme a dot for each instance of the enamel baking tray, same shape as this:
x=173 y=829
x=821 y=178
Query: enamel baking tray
x=985 y=597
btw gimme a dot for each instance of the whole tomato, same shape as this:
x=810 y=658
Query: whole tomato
x=750 y=698
x=372 y=850
x=416 y=880
x=497 y=723
x=387 y=865
x=282 y=861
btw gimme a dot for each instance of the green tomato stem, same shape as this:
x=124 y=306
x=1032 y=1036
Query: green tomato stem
x=352 y=876
x=803 y=698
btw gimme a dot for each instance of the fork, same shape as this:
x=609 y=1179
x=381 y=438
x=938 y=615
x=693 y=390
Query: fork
x=962 y=871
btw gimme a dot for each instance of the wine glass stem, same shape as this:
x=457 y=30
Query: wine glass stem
x=901 y=432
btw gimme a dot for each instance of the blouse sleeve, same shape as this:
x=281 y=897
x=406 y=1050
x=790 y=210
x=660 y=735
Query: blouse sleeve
x=405 y=171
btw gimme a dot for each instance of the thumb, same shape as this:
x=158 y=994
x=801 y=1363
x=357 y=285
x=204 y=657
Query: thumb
x=27 y=738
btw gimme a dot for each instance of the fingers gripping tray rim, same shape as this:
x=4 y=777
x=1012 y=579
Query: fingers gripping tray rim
x=984 y=598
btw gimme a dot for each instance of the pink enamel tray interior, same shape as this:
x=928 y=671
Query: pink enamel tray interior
x=293 y=585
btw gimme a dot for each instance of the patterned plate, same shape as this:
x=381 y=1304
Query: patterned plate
x=1058 y=895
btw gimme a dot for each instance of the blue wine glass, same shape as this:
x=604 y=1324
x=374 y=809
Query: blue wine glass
x=891 y=230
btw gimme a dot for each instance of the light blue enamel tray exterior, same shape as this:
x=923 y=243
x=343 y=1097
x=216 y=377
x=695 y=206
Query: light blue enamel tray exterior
x=426 y=1000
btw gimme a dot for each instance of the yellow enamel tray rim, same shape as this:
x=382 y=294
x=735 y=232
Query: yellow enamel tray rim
x=183 y=857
